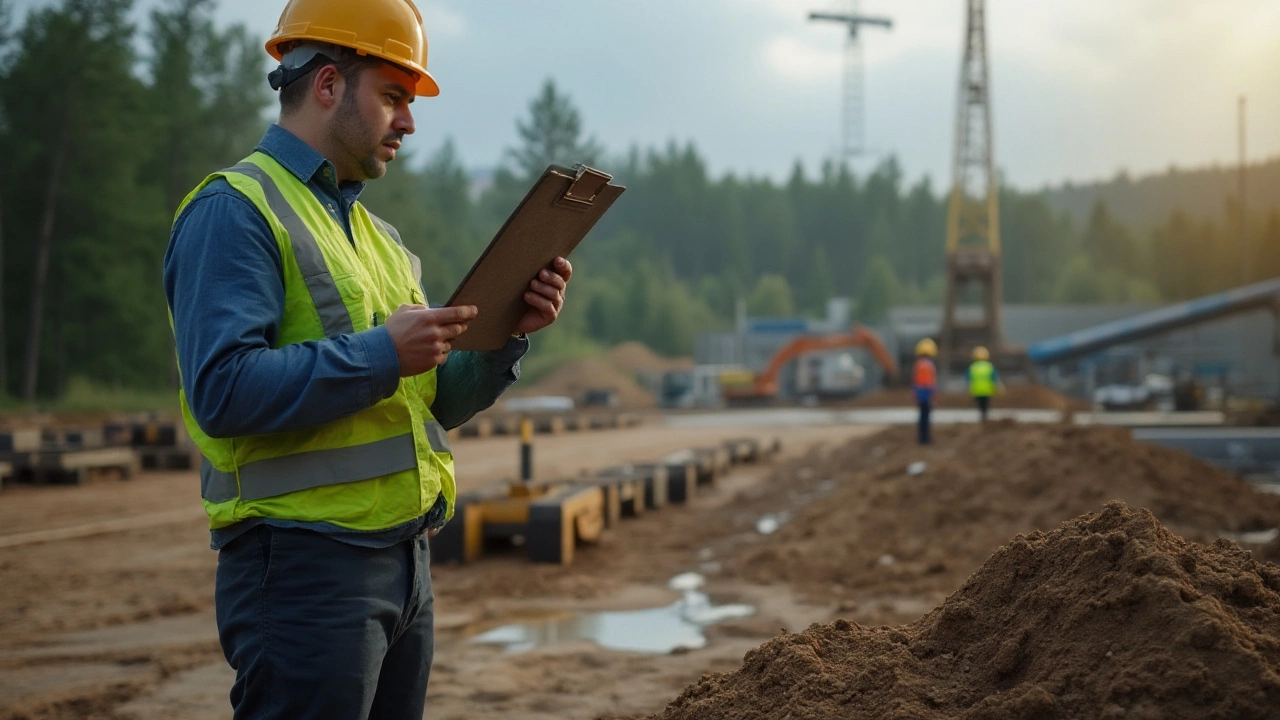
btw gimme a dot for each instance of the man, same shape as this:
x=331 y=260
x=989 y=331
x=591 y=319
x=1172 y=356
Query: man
x=319 y=385
x=924 y=380
x=983 y=380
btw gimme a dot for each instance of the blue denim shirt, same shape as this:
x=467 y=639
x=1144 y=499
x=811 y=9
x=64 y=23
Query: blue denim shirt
x=223 y=281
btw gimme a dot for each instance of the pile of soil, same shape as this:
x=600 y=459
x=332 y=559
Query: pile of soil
x=884 y=533
x=1016 y=397
x=575 y=378
x=637 y=357
x=1109 y=616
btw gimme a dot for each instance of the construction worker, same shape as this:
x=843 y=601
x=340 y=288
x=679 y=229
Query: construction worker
x=924 y=380
x=983 y=380
x=319 y=385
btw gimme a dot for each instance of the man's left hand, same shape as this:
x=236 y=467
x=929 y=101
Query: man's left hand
x=545 y=297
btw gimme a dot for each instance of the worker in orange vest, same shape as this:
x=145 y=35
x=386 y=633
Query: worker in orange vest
x=924 y=380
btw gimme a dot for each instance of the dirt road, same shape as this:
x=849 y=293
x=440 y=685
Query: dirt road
x=106 y=592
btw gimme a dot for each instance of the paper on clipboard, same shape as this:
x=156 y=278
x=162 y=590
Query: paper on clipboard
x=556 y=214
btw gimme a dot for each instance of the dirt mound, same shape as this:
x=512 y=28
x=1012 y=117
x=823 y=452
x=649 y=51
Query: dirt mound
x=638 y=357
x=1017 y=397
x=575 y=378
x=882 y=533
x=1109 y=616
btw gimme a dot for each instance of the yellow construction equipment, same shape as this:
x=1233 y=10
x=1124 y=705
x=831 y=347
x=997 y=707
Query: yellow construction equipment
x=552 y=518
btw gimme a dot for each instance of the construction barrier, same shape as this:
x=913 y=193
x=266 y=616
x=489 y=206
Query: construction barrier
x=66 y=466
x=551 y=519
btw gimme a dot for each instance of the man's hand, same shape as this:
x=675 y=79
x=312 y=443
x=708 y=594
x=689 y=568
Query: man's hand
x=545 y=297
x=423 y=336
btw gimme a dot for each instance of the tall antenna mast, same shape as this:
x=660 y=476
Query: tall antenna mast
x=852 y=105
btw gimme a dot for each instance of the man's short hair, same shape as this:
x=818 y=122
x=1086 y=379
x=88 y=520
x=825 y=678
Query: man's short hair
x=350 y=64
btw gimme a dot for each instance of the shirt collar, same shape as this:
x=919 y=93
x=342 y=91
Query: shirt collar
x=303 y=161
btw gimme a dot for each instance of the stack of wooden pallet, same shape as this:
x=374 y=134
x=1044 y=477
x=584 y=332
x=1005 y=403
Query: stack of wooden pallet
x=161 y=443
x=56 y=454
x=488 y=424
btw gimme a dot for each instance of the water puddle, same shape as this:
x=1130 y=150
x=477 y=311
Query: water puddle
x=1256 y=537
x=654 y=630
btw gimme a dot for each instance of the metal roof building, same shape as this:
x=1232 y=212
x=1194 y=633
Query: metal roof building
x=1236 y=352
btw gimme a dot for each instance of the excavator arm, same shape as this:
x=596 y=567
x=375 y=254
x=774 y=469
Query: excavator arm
x=766 y=383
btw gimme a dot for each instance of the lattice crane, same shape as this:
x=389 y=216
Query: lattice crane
x=973 y=213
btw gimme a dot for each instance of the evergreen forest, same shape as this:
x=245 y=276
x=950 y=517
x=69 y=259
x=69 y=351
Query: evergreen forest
x=106 y=125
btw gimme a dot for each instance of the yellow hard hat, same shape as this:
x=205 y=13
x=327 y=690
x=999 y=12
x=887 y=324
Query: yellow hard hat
x=981 y=353
x=927 y=347
x=387 y=29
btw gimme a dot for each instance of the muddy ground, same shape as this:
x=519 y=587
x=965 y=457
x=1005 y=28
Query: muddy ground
x=119 y=624
x=1109 y=616
x=115 y=623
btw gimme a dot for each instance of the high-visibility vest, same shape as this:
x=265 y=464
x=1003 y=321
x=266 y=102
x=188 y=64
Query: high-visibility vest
x=375 y=469
x=982 y=379
x=925 y=376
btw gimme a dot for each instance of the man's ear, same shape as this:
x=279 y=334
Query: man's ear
x=328 y=86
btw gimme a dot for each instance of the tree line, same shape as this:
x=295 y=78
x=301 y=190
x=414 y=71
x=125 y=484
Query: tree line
x=104 y=127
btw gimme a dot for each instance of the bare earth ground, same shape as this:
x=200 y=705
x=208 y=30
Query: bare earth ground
x=114 y=618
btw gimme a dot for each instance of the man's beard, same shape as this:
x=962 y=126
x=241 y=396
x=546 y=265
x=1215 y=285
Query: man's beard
x=355 y=137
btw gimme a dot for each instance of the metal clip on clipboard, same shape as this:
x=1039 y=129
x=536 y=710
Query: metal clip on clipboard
x=586 y=185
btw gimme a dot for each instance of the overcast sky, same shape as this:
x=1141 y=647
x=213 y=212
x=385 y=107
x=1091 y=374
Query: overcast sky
x=1081 y=88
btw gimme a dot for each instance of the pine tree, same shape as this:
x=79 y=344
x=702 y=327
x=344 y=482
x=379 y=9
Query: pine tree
x=552 y=134
x=879 y=289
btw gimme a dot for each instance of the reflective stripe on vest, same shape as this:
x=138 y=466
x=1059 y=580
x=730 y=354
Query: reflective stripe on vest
x=317 y=468
x=315 y=272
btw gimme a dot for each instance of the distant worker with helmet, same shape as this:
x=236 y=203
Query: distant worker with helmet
x=318 y=383
x=983 y=380
x=924 y=380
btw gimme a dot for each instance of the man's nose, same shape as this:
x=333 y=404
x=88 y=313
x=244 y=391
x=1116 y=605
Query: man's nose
x=403 y=122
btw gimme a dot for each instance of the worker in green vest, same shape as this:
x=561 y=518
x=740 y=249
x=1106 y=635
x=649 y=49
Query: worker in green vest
x=318 y=383
x=983 y=380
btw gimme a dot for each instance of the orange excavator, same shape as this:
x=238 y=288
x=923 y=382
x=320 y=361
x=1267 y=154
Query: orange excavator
x=764 y=386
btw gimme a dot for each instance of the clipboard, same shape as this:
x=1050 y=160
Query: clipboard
x=554 y=216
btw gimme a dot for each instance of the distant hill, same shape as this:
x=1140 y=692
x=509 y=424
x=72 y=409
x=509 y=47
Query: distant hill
x=1146 y=202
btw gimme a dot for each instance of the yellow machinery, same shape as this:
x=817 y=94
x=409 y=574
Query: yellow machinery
x=553 y=518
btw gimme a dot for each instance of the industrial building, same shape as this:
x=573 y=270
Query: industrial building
x=1234 y=355
x=1231 y=356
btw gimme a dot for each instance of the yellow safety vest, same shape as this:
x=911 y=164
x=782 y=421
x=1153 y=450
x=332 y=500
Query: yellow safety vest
x=373 y=470
x=982 y=379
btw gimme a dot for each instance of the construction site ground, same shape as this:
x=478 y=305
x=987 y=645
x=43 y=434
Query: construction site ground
x=111 y=616
x=106 y=592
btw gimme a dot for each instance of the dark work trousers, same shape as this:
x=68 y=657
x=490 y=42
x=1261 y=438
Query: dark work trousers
x=926 y=406
x=984 y=404
x=316 y=628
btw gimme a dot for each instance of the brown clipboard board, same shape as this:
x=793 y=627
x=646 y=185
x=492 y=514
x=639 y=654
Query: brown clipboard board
x=554 y=216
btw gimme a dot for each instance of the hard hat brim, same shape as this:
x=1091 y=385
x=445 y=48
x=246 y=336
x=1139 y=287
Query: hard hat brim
x=426 y=86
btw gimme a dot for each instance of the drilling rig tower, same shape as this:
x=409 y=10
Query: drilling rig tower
x=973 y=217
